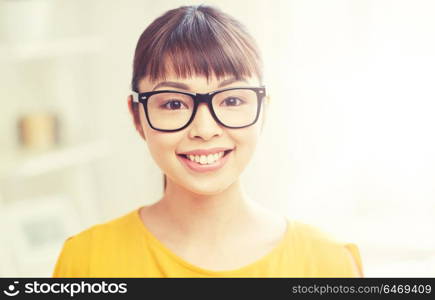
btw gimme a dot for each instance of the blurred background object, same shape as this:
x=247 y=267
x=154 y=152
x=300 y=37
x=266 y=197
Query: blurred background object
x=38 y=131
x=348 y=138
x=51 y=144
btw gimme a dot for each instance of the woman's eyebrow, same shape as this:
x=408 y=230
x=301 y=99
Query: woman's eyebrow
x=177 y=85
x=230 y=80
x=183 y=86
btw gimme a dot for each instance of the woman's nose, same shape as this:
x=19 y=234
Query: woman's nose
x=204 y=125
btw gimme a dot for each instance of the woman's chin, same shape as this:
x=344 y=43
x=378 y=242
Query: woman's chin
x=210 y=191
x=206 y=188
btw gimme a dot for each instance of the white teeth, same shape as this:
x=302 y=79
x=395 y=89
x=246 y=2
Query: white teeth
x=206 y=159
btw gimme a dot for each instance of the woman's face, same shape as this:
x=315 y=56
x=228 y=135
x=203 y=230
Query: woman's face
x=204 y=133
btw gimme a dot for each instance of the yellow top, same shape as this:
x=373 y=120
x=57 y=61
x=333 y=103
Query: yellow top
x=124 y=247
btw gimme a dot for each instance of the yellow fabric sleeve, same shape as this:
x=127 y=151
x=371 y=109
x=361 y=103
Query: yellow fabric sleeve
x=73 y=260
x=356 y=257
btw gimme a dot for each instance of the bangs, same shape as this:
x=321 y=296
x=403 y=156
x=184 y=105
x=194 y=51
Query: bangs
x=197 y=43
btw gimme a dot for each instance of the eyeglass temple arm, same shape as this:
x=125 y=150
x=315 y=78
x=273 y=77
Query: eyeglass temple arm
x=135 y=96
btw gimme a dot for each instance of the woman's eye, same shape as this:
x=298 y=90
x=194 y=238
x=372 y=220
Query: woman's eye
x=232 y=101
x=174 y=105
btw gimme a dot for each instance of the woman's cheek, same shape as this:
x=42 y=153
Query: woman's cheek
x=246 y=142
x=162 y=147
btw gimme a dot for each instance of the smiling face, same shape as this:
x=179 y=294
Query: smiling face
x=206 y=177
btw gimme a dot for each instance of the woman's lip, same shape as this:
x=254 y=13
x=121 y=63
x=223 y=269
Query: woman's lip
x=206 y=167
x=206 y=151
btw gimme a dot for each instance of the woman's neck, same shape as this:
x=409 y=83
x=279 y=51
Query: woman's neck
x=213 y=218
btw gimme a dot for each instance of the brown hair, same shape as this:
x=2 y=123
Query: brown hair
x=195 y=40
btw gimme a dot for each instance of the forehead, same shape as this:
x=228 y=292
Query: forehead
x=196 y=83
x=196 y=79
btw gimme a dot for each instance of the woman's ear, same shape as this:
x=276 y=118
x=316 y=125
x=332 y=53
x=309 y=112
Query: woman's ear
x=133 y=108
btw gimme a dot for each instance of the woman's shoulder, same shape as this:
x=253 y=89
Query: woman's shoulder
x=309 y=233
x=80 y=249
x=325 y=250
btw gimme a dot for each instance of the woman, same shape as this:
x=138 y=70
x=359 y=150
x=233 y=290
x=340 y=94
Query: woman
x=199 y=103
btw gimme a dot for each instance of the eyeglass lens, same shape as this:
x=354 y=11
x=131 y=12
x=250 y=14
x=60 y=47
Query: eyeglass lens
x=234 y=108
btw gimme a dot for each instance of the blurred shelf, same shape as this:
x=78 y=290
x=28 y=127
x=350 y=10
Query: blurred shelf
x=26 y=164
x=18 y=52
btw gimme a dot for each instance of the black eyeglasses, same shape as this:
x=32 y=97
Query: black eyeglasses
x=169 y=111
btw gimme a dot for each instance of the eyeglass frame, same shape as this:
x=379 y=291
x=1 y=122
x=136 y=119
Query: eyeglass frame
x=199 y=98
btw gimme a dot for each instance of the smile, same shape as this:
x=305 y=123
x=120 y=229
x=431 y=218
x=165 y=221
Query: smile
x=203 y=162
